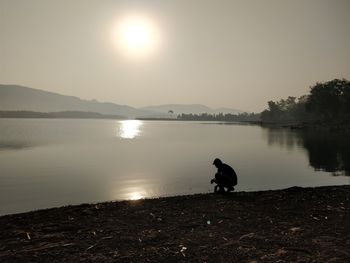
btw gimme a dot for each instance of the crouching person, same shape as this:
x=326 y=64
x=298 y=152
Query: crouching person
x=224 y=178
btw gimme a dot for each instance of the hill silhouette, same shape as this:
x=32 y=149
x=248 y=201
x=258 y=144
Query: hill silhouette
x=20 y=98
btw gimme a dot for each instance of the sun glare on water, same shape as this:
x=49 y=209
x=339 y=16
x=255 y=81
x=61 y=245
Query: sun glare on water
x=129 y=129
x=136 y=36
x=135 y=196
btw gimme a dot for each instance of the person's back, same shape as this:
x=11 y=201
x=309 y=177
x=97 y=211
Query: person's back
x=225 y=177
x=228 y=171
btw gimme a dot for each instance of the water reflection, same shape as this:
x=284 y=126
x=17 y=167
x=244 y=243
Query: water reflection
x=14 y=145
x=135 y=196
x=134 y=188
x=326 y=151
x=129 y=129
x=284 y=138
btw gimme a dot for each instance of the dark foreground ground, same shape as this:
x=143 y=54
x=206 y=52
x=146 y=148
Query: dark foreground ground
x=292 y=225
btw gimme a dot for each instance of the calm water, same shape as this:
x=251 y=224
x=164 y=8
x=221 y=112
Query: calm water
x=46 y=163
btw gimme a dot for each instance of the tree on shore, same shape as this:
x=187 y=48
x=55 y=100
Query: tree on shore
x=290 y=109
x=326 y=101
x=220 y=117
x=330 y=100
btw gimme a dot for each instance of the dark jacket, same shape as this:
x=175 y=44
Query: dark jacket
x=228 y=172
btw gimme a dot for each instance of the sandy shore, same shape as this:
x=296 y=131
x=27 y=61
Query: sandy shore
x=291 y=225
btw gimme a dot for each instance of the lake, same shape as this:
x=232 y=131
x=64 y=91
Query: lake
x=54 y=162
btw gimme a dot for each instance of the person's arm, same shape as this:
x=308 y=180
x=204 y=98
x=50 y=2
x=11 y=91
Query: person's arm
x=219 y=171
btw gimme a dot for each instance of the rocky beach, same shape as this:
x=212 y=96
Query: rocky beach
x=290 y=225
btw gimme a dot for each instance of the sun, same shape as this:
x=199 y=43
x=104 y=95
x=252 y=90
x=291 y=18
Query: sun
x=136 y=35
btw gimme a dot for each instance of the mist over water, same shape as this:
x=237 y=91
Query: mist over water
x=46 y=163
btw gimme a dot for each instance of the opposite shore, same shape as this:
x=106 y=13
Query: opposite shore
x=291 y=225
x=331 y=125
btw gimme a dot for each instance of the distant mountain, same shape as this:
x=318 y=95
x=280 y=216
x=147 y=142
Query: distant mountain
x=58 y=115
x=189 y=108
x=19 y=98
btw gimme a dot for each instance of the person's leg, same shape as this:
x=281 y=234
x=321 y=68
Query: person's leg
x=216 y=188
x=220 y=181
x=221 y=189
x=227 y=182
x=230 y=188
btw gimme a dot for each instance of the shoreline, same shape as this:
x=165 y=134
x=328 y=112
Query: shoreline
x=334 y=126
x=290 y=225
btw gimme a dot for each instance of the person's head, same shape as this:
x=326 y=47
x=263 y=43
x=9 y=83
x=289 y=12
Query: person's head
x=217 y=162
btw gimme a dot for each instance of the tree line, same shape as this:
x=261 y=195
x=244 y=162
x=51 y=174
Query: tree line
x=326 y=101
x=220 y=117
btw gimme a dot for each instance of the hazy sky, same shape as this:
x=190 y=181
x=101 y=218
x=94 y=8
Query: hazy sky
x=228 y=53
